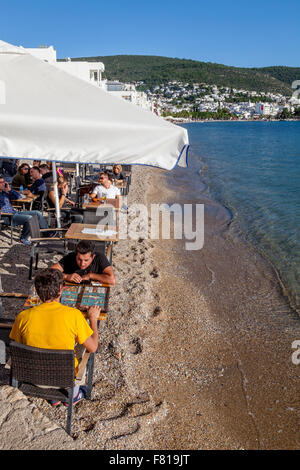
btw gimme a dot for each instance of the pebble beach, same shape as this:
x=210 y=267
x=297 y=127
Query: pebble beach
x=196 y=349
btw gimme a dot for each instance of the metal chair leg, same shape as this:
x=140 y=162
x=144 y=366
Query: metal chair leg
x=70 y=410
x=36 y=260
x=31 y=262
x=90 y=371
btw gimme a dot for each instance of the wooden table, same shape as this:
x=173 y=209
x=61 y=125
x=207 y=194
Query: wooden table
x=26 y=200
x=75 y=233
x=115 y=202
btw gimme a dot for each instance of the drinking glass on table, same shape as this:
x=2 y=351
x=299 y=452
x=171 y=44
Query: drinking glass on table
x=86 y=198
x=34 y=298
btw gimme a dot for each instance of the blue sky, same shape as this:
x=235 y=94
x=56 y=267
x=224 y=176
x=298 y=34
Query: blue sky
x=240 y=33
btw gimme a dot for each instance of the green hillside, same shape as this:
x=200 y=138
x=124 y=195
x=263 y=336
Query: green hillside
x=285 y=74
x=154 y=70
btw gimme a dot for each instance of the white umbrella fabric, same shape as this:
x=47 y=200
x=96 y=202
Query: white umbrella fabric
x=48 y=114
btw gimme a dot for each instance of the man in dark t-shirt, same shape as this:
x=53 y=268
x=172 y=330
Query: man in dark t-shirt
x=86 y=265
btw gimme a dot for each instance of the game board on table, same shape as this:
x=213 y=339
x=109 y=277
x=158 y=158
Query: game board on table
x=83 y=297
x=79 y=296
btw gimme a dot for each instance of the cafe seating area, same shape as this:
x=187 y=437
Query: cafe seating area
x=100 y=224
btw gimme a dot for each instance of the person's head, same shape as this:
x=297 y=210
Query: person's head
x=24 y=169
x=3 y=184
x=117 y=169
x=103 y=178
x=44 y=168
x=48 y=284
x=35 y=173
x=85 y=253
x=62 y=181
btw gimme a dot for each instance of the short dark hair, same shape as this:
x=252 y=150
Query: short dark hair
x=47 y=283
x=36 y=168
x=85 y=246
x=44 y=166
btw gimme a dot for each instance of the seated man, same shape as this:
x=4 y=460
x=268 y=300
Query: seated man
x=46 y=173
x=38 y=187
x=106 y=188
x=52 y=325
x=86 y=265
x=19 y=218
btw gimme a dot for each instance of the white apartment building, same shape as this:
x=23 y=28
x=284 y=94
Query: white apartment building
x=128 y=92
x=92 y=72
x=88 y=71
x=267 y=109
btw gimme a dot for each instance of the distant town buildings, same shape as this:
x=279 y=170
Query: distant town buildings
x=177 y=98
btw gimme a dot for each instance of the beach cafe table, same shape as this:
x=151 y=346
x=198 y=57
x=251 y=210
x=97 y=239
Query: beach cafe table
x=115 y=202
x=93 y=233
x=25 y=203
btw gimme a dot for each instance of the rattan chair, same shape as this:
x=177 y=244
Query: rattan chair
x=102 y=216
x=39 y=243
x=47 y=367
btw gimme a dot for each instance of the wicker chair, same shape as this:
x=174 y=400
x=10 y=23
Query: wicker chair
x=99 y=216
x=39 y=243
x=47 y=367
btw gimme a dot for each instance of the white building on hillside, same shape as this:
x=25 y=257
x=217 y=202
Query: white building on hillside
x=92 y=72
x=88 y=71
x=128 y=92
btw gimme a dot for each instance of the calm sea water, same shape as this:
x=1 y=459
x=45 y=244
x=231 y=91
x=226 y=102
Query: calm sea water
x=254 y=169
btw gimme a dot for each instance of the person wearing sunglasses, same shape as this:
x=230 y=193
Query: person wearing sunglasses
x=22 y=178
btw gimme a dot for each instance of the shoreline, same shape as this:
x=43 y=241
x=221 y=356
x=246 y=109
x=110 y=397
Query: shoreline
x=190 y=121
x=195 y=353
x=241 y=235
x=243 y=306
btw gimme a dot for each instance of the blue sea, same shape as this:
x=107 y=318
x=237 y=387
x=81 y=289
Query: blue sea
x=253 y=168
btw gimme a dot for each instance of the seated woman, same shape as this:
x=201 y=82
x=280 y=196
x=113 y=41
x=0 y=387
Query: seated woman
x=74 y=215
x=117 y=173
x=22 y=178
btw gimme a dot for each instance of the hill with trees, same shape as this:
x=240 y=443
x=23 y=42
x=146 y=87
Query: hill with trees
x=155 y=70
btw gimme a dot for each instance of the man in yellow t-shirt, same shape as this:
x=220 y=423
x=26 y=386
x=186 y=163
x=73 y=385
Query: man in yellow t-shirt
x=52 y=325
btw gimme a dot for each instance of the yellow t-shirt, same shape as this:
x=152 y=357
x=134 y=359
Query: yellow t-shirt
x=51 y=326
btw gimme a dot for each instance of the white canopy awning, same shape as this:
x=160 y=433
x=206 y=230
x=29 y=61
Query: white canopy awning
x=48 y=114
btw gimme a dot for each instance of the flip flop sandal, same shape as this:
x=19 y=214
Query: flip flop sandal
x=79 y=397
x=54 y=402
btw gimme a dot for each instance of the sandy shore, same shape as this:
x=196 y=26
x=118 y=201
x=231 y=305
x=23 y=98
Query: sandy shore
x=196 y=351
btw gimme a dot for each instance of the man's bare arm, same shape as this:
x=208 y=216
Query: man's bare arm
x=68 y=277
x=107 y=277
x=91 y=343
